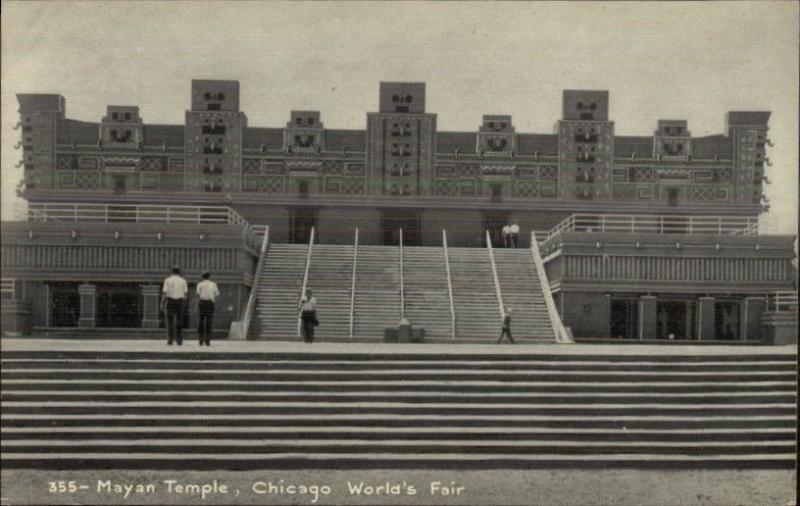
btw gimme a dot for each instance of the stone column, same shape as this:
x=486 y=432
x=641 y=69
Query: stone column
x=88 y=294
x=750 y=321
x=705 y=318
x=648 y=319
x=150 y=296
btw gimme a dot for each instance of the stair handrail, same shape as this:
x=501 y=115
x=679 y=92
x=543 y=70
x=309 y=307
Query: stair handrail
x=402 y=287
x=305 y=278
x=353 y=284
x=560 y=332
x=257 y=275
x=496 y=278
x=449 y=285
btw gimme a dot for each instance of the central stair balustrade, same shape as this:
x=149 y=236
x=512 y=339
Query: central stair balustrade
x=449 y=284
x=494 y=275
x=240 y=329
x=305 y=278
x=353 y=283
x=402 y=287
x=561 y=334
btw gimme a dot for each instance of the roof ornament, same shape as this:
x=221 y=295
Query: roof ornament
x=456 y=152
x=536 y=155
x=17 y=125
x=768 y=141
x=263 y=148
x=768 y=161
x=766 y=180
x=164 y=145
x=19 y=164
x=716 y=157
x=18 y=145
x=344 y=149
x=633 y=155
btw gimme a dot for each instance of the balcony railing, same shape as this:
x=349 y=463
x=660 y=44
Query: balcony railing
x=656 y=224
x=108 y=213
x=782 y=302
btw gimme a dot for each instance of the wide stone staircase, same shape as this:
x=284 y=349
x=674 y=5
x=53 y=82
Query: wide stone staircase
x=330 y=278
x=474 y=295
x=279 y=292
x=187 y=410
x=377 y=293
x=522 y=292
x=427 y=302
x=376 y=301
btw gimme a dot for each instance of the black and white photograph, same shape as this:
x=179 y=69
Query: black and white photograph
x=399 y=253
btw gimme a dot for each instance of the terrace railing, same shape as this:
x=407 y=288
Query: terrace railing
x=134 y=213
x=782 y=302
x=657 y=224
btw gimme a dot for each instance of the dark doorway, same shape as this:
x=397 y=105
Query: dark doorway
x=672 y=196
x=392 y=221
x=119 y=305
x=726 y=320
x=65 y=305
x=303 y=220
x=494 y=223
x=302 y=188
x=624 y=318
x=496 y=190
x=120 y=184
x=675 y=320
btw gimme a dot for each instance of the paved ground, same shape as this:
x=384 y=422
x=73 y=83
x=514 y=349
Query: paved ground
x=380 y=347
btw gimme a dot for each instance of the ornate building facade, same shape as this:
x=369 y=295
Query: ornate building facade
x=401 y=168
x=401 y=172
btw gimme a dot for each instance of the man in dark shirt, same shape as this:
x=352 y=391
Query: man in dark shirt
x=506 y=331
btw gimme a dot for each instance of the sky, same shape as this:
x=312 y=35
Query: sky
x=692 y=61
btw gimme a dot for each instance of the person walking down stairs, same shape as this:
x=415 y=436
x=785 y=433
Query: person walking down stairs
x=308 y=316
x=506 y=330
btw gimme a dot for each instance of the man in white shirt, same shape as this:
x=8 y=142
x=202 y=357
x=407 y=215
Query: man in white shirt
x=173 y=303
x=207 y=293
x=514 y=229
x=506 y=236
x=308 y=316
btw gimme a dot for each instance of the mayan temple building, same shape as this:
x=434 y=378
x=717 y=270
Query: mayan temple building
x=651 y=237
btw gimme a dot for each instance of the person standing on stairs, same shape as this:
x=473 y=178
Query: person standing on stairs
x=506 y=236
x=514 y=229
x=308 y=316
x=506 y=330
x=173 y=303
x=207 y=293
